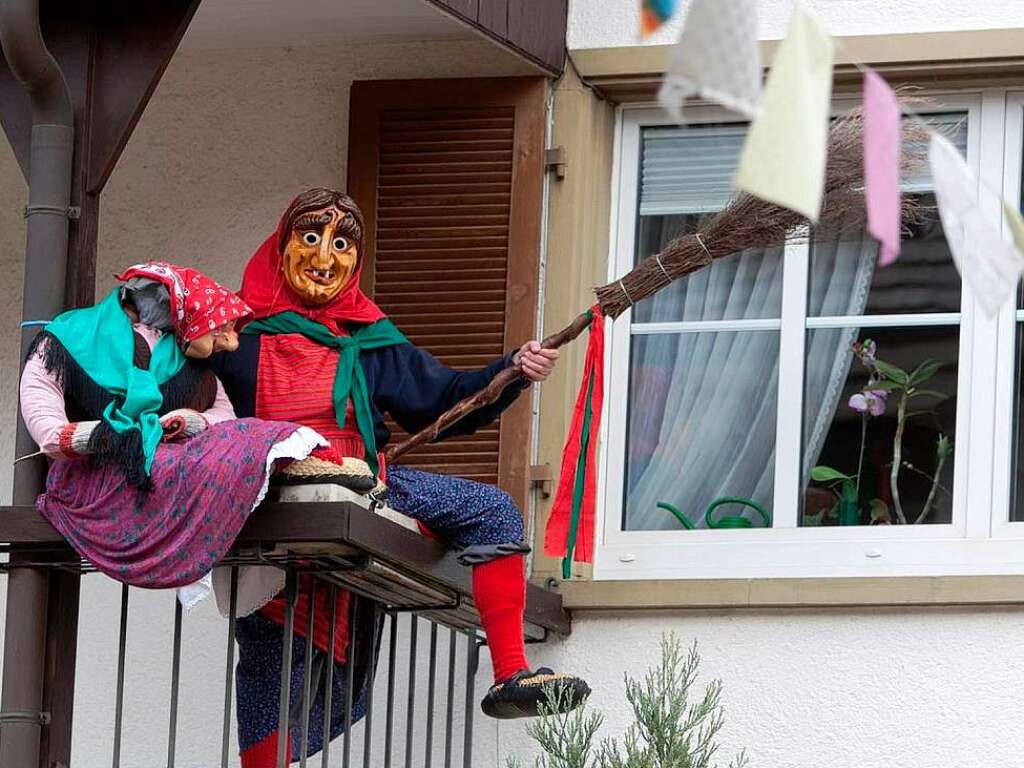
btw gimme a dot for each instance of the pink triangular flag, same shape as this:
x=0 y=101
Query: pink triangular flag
x=882 y=165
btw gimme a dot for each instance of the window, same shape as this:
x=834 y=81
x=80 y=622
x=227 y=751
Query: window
x=746 y=433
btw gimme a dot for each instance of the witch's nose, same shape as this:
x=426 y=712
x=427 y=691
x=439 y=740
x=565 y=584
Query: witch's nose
x=323 y=260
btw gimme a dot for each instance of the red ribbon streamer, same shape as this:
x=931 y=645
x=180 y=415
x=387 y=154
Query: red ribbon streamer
x=556 y=536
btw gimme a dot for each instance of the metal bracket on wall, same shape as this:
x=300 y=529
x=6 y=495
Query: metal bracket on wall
x=24 y=717
x=73 y=212
x=555 y=160
x=541 y=477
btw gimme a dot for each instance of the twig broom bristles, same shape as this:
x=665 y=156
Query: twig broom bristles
x=746 y=223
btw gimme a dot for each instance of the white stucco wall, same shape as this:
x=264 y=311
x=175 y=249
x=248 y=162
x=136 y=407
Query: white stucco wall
x=845 y=689
x=609 y=23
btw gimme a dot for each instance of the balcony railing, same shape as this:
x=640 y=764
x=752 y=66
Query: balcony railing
x=346 y=546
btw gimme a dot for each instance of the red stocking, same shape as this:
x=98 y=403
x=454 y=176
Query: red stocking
x=499 y=589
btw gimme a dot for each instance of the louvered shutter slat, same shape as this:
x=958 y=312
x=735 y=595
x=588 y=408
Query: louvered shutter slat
x=450 y=175
x=441 y=268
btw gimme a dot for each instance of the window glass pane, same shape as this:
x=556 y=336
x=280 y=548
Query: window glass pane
x=701 y=426
x=852 y=426
x=844 y=277
x=1017 y=482
x=686 y=175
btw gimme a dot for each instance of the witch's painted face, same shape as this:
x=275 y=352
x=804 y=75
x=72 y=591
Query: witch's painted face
x=320 y=256
x=223 y=339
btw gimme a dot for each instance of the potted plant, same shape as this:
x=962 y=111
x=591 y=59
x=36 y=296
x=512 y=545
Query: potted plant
x=885 y=382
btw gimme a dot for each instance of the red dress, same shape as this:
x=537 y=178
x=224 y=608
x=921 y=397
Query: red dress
x=295 y=383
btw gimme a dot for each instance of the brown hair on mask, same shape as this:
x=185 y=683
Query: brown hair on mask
x=318 y=198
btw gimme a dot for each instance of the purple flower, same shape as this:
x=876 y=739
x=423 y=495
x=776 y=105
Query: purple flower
x=870 y=401
x=865 y=350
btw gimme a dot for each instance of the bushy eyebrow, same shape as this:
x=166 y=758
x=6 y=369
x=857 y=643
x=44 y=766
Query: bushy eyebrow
x=312 y=220
x=349 y=226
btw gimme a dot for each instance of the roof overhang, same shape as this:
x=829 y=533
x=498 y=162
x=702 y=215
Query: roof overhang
x=533 y=30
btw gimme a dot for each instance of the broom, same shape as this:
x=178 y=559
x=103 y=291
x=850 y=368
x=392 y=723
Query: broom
x=745 y=223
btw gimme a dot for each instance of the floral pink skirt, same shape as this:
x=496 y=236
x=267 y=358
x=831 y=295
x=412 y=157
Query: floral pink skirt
x=203 y=491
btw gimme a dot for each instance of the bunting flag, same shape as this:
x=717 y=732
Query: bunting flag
x=989 y=265
x=1016 y=221
x=882 y=165
x=783 y=159
x=570 y=529
x=654 y=13
x=717 y=57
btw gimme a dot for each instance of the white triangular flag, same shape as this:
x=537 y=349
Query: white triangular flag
x=717 y=57
x=989 y=265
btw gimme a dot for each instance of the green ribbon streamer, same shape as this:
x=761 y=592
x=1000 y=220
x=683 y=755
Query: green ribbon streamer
x=101 y=341
x=349 y=379
x=580 y=481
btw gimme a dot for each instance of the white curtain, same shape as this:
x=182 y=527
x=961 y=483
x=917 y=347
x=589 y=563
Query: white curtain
x=703 y=406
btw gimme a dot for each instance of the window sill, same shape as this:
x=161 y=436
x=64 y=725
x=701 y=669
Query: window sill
x=793 y=593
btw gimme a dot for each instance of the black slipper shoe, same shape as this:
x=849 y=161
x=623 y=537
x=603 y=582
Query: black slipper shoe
x=524 y=693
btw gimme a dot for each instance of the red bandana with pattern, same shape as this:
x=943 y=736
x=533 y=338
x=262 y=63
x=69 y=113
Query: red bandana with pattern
x=198 y=303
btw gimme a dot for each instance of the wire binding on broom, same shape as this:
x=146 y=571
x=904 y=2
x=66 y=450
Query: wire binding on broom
x=629 y=301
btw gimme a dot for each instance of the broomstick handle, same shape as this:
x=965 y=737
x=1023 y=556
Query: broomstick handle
x=487 y=395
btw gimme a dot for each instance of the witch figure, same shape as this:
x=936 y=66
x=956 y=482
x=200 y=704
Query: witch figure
x=322 y=354
x=151 y=477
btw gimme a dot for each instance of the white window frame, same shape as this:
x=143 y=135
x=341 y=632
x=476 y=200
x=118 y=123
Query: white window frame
x=1006 y=380
x=976 y=541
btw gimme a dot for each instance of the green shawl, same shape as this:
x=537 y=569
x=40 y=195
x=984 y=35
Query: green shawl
x=101 y=341
x=349 y=379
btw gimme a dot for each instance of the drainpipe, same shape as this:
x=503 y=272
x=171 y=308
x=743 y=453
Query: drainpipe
x=46 y=251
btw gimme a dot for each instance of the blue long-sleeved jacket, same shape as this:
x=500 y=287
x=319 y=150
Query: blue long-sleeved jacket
x=403 y=380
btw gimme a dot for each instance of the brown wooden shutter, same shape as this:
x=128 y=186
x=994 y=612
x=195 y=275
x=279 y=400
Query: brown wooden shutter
x=450 y=176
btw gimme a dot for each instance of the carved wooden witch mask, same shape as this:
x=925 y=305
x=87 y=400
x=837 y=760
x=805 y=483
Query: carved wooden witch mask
x=320 y=251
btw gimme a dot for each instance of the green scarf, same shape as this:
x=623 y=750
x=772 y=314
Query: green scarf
x=349 y=379
x=102 y=343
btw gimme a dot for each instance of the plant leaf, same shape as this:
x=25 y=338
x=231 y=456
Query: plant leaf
x=887 y=386
x=925 y=371
x=822 y=474
x=891 y=372
x=929 y=393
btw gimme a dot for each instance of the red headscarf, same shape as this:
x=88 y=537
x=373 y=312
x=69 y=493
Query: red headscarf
x=268 y=293
x=198 y=303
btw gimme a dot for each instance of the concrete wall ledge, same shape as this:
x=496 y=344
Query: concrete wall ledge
x=793 y=593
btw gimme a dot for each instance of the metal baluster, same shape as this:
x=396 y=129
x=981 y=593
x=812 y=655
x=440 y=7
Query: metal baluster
x=325 y=729
x=291 y=593
x=411 y=708
x=122 y=646
x=450 y=713
x=368 y=721
x=172 y=727
x=350 y=677
x=307 y=674
x=472 y=664
x=431 y=679
x=229 y=673
x=390 y=719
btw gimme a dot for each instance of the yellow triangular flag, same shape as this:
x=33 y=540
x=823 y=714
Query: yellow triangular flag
x=783 y=158
x=1016 y=225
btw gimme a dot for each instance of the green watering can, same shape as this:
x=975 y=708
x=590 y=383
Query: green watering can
x=728 y=521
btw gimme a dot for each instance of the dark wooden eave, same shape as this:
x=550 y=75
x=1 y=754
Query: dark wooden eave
x=534 y=29
x=112 y=54
x=343 y=542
